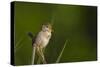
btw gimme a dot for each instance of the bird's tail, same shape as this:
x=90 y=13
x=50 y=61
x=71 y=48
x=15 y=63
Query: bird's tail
x=30 y=35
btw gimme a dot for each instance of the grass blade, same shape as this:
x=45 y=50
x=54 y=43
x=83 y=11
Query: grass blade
x=18 y=45
x=59 y=57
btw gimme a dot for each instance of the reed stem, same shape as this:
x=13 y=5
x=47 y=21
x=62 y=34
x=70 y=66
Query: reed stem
x=59 y=57
x=33 y=55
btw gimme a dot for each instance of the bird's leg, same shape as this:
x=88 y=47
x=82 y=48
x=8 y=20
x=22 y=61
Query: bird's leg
x=40 y=53
x=43 y=50
x=39 y=59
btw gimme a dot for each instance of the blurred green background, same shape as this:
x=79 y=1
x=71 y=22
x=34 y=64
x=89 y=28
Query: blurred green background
x=75 y=23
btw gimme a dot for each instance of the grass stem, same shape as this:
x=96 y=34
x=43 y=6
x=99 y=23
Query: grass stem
x=59 y=57
x=33 y=56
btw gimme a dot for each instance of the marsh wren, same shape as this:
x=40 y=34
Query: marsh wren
x=42 y=39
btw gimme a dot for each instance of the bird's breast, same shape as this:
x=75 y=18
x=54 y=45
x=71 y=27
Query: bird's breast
x=45 y=39
x=44 y=42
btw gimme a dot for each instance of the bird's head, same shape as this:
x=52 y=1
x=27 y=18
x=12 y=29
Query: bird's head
x=47 y=27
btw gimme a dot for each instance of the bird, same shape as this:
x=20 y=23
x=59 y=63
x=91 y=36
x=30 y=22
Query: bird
x=40 y=41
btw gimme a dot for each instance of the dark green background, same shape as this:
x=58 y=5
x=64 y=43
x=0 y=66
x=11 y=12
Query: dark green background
x=75 y=23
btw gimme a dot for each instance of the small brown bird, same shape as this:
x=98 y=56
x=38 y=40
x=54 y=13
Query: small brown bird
x=41 y=41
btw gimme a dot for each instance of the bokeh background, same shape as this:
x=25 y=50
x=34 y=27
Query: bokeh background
x=75 y=23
